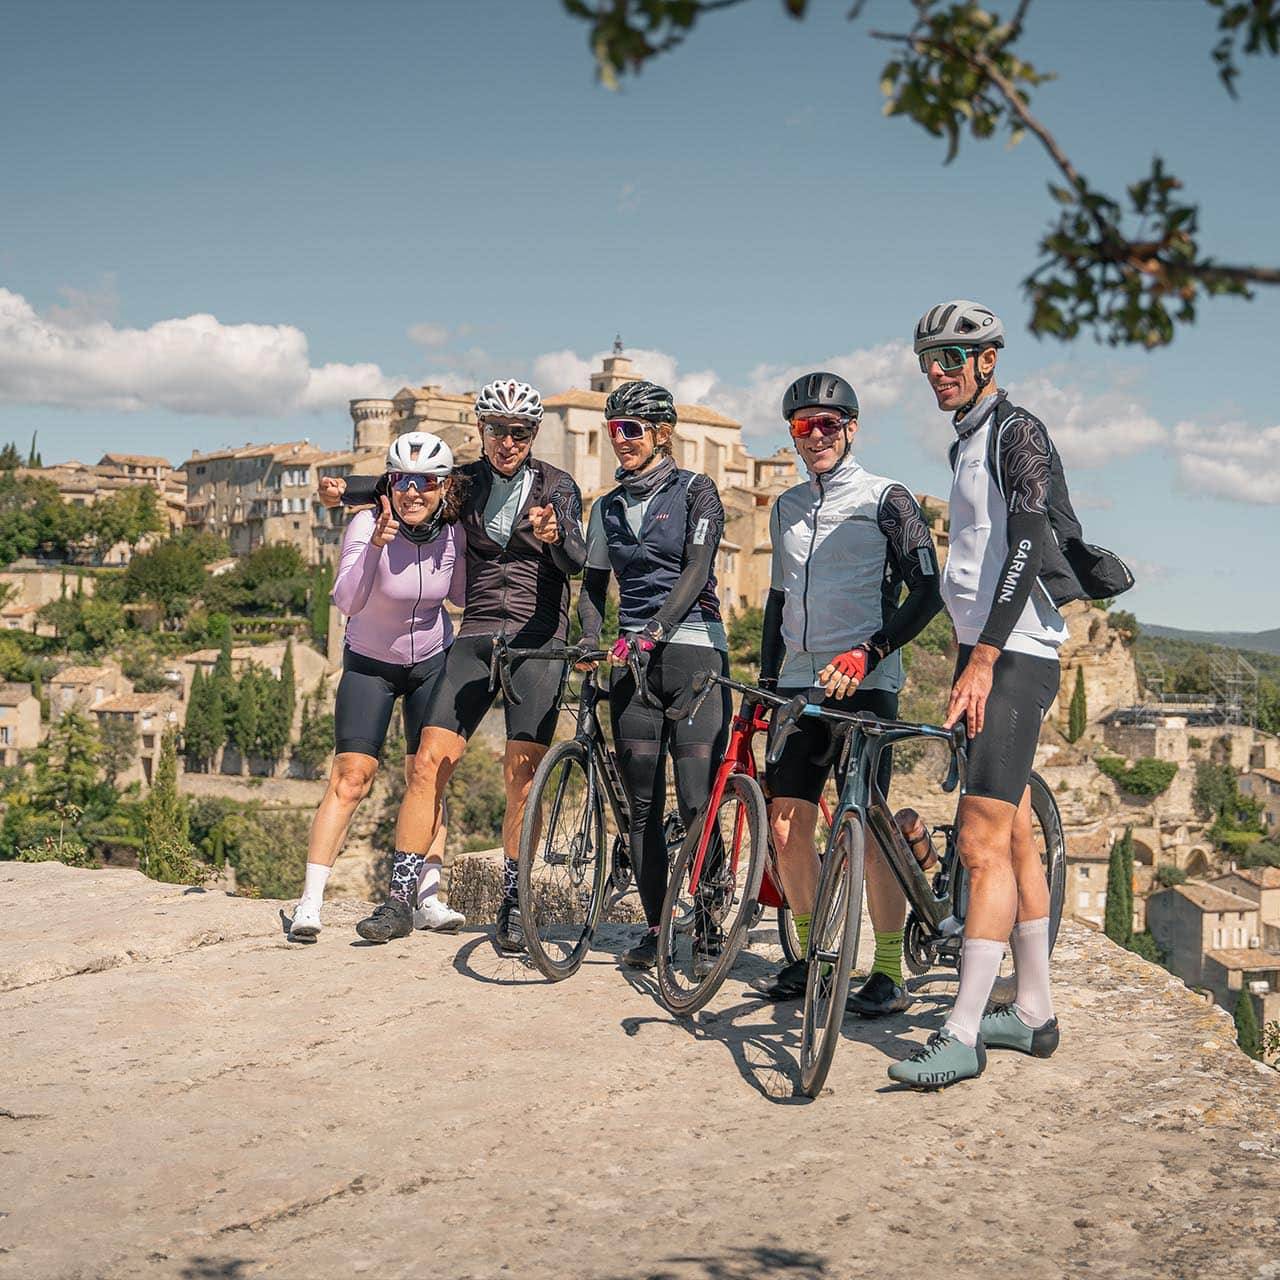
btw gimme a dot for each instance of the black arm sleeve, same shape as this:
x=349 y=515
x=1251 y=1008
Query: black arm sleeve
x=1024 y=464
x=591 y=604
x=570 y=553
x=705 y=528
x=361 y=491
x=772 y=649
x=913 y=560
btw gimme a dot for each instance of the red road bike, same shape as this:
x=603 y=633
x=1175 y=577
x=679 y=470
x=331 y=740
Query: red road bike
x=726 y=872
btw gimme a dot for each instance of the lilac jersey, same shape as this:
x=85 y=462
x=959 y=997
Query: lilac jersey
x=394 y=596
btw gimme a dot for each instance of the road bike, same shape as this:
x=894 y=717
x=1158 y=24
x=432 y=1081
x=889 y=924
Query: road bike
x=935 y=923
x=572 y=860
x=717 y=884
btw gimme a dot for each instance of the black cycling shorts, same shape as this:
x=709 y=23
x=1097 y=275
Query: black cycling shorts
x=1002 y=755
x=463 y=697
x=803 y=768
x=367 y=696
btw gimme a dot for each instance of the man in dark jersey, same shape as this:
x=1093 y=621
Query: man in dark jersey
x=1006 y=678
x=523 y=524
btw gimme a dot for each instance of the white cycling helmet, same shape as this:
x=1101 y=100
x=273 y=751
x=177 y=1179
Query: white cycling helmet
x=511 y=399
x=420 y=453
x=959 y=323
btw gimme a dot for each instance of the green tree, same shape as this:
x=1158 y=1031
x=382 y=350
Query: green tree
x=245 y=718
x=274 y=720
x=1167 y=875
x=288 y=686
x=315 y=736
x=127 y=516
x=170 y=576
x=1129 y=269
x=1117 y=921
x=1247 y=1036
x=321 y=586
x=166 y=852
x=744 y=636
x=33 y=456
x=118 y=736
x=205 y=729
x=1126 y=624
x=66 y=763
x=1146 y=777
x=1078 y=712
x=10 y=458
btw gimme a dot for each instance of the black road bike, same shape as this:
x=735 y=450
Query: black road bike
x=574 y=850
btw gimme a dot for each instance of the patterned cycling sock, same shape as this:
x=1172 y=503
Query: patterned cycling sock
x=428 y=883
x=889 y=956
x=801 y=919
x=510 y=874
x=405 y=870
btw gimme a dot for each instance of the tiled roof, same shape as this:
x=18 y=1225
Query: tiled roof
x=81 y=675
x=12 y=694
x=1246 y=958
x=134 y=702
x=1263 y=877
x=134 y=459
x=1271 y=775
x=1210 y=898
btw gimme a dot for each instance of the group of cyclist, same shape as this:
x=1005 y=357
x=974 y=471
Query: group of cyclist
x=855 y=577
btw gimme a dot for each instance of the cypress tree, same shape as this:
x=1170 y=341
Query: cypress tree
x=321 y=585
x=166 y=852
x=193 y=724
x=1118 y=919
x=226 y=684
x=1078 y=713
x=1247 y=1036
x=245 y=714
x=288 y=688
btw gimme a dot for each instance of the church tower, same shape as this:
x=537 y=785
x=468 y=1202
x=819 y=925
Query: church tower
x=617 y=370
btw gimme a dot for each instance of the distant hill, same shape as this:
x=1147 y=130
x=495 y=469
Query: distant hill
x=1250 y=641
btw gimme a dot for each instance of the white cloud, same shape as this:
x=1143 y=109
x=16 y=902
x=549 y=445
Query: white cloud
x=429 y=335
x=1232 y=460
x=73 y=358
x=1090 y=428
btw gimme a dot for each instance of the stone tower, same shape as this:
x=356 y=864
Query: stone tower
x=617 y=370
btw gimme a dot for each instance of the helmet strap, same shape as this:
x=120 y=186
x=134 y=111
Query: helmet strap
x=981 y=380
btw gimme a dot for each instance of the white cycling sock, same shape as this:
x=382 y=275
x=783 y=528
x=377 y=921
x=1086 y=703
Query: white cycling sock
x=429 y=883
x=1030 y=943
x=979 y=966
x=313 y=886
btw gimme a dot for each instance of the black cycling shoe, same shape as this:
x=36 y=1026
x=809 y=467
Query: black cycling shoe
x=787 y=984
x=393 y=919
x=878 y=997
x=644 y=955
x=509 y=934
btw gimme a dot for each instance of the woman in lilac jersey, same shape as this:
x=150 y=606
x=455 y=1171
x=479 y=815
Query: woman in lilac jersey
x=399 y=564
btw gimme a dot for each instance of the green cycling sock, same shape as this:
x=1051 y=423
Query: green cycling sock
x=802 y=929
x=888 y=958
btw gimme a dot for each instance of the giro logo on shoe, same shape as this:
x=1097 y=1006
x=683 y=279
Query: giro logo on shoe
x=939 y=1077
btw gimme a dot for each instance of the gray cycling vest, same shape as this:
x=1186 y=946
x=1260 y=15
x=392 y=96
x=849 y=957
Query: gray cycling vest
x=829 y=558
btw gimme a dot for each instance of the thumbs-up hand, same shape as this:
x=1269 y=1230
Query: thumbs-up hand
x=546 y=528
x=331 y=490
x=385 y=527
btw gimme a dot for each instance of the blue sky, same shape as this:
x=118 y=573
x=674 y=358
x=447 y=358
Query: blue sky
x=353 y=195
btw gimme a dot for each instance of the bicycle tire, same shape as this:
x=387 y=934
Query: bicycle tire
x=788 y=938
x=560 y=912
x=679 y=988
x=833 y=948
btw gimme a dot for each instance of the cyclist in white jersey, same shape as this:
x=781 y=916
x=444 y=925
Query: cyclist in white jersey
x=1006 y=678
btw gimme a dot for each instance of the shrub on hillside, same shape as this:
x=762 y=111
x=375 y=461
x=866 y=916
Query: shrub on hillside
x=1145 y=777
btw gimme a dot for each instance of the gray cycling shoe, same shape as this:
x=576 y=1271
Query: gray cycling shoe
x=942 y=1060
x=1003 y=1029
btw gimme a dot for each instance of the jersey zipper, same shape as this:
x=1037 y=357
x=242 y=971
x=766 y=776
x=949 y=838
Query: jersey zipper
x=413 y=620
x=808 y=560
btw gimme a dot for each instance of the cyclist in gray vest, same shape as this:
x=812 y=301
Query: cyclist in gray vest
x=844 y=544
x=1006 y=678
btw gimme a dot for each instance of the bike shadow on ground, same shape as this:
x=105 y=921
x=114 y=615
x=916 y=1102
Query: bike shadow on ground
x=480 y=960
x=932 y=995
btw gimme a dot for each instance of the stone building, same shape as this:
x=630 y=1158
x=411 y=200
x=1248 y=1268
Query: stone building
x=19 y=722
x=1192 y=919
x=1263 y=785
x=448 y=414
x=151 y=714
x=1229 y=970
x=85 y=688
x=1261 y=885
x=259 y=495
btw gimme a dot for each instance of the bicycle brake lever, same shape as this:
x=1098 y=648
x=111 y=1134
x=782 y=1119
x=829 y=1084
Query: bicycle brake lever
x=785 y=726
x=699 y=686
x=504 y=678
x=959 y=741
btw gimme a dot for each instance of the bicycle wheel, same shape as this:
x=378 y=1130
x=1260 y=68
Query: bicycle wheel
x=833 y=948
x=564 y=861
x=1047 y=838
x=787 y=934
x=725 y=899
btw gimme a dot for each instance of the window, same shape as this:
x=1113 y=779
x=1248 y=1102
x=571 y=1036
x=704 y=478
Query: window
x=1217 y=939
x=1085 y=872
x=593 y=444
x=1082 y=899
x=4 y=735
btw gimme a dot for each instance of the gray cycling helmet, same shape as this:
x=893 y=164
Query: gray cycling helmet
x=644 y=400
x=820 y=391
x=959 y=323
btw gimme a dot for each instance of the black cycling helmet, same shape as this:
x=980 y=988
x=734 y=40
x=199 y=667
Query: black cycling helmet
x=820 y=391
x=644 y=400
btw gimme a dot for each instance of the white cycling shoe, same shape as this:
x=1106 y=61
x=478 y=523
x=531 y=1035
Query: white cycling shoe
x=306 y=921
x=438 y=917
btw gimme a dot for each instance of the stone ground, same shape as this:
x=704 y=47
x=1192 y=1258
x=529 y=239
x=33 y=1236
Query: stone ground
x=185 y=1094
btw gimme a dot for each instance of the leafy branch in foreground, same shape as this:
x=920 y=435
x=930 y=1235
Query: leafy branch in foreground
x=1130 y=272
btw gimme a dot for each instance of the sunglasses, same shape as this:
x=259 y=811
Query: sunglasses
x=403 y=481
x=519 y=434
x=826 y=424
x=948 y=359
x=629 y=428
